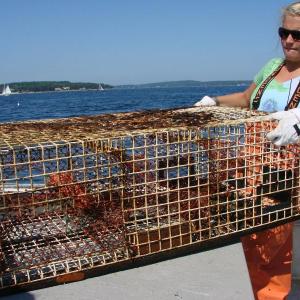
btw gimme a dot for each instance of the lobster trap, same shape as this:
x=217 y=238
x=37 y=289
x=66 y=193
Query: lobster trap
x=81 y=194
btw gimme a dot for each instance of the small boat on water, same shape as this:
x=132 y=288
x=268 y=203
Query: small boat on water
x=100 y=88
x=6 y=90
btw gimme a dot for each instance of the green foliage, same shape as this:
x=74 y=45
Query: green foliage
x=46 y=86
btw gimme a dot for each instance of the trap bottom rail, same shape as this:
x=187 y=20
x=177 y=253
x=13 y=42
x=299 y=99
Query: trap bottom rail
x=57 y=251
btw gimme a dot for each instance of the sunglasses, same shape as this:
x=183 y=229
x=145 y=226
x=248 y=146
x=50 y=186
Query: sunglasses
x=284 y=33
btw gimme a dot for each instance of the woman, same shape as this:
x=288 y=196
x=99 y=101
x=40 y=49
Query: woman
x=276 y=88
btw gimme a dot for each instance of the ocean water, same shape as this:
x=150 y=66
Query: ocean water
x=20 y=107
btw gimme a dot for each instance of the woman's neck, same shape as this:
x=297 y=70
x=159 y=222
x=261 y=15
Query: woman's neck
x=292 y=66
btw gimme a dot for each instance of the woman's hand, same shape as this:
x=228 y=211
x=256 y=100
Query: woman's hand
x=206 y=101
x=288 y=128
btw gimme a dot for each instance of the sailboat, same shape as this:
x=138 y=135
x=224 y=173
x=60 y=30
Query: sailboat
x=100 y=88
x=6 y=90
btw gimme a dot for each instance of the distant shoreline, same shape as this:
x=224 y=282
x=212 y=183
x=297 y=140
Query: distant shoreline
x=63 y=91
x=187 y=83
x=53 y=86
x=66 y=86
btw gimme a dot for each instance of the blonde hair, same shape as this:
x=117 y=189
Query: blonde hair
x=291 y=10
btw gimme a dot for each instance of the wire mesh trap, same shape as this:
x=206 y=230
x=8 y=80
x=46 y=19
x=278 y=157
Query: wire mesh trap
x=82 y=193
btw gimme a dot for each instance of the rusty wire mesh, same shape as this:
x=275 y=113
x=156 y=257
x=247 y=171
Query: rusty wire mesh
x=81 y=193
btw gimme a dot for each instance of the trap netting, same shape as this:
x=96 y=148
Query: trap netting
x=83 y=193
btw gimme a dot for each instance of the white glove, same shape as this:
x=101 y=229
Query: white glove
x=206 y=101
x=287 y=130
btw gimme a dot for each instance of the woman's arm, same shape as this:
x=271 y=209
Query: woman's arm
x=241 y=99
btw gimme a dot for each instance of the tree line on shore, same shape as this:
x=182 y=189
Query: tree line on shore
x=47 y=86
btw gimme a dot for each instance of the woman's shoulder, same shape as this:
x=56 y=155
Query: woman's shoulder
x=272 y=64
x=267 y=70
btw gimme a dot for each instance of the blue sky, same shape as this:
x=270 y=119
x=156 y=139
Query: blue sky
x=137 y=41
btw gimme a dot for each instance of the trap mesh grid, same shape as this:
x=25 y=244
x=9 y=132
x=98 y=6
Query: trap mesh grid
x=83 y=193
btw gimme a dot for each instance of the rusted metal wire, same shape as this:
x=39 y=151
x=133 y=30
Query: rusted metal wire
x=83 y=193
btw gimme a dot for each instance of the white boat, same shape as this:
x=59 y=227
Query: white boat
x=100 y=88
x=6 y=90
